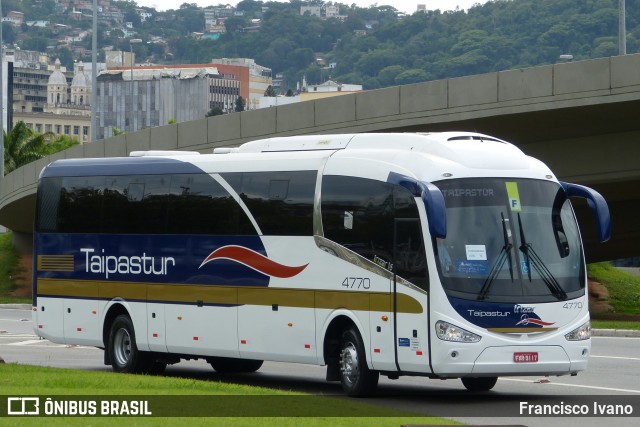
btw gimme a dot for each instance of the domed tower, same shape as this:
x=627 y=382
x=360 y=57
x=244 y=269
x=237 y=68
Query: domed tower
x=81 y=87
x=57 y=87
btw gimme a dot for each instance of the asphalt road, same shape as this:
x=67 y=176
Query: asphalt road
x=613 y=373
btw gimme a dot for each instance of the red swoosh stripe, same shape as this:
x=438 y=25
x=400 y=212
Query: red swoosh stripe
x=254 y=260
x=535 y=322
x=540 y=322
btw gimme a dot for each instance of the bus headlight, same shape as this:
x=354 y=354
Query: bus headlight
x=581 y=333
x=448 y=332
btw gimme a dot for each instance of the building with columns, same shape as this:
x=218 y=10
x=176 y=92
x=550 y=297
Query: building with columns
x=67 y=110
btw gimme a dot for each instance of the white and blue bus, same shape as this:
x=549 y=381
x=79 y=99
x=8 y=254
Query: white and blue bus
x=444 y=255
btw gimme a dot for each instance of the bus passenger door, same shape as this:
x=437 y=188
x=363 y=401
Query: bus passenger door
x=410 y=297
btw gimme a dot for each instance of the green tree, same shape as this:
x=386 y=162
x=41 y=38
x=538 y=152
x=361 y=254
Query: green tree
x=22 y=146
x=387 y=75
x=60 y=143
x=270 y=92
x=239 y=104
x=216 y=111
x=411 y=76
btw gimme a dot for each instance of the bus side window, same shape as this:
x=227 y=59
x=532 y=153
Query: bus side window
x=363 y=215
x=280 y=201
x=358 y=214
x=197 y=204
x=81 y=201
x=48 y=203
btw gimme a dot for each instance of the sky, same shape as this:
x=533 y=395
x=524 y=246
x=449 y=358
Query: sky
x=407 y=6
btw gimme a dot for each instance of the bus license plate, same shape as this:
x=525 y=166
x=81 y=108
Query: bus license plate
x=525 y=357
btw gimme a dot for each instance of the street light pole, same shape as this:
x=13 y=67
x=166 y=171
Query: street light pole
x=94 y=73
x=1 y=98
x=131 y=43
x=622 y=28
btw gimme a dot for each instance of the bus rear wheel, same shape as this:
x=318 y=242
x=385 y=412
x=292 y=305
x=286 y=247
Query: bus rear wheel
x=229 y=365
x=479 y=383
x=355 y=376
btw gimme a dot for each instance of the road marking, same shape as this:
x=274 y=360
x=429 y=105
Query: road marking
x=616 y=357
x=28 y=342
x=47 y=344
x=18 y=336
x=624 y=390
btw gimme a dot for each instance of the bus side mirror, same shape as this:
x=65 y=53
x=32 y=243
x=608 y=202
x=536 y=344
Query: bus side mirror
x=436 y=211
x=597 y=204
x=431 y=197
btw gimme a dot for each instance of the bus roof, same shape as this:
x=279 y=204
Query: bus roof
x=459 y=151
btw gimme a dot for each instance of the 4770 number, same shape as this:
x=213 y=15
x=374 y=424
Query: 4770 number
x=356 y=282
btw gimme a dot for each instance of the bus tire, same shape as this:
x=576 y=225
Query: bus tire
x=479 y=383
x=123 y=351
x=355 y=376
x=229 y=365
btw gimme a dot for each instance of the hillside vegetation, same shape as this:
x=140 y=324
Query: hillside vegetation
x=394 y=49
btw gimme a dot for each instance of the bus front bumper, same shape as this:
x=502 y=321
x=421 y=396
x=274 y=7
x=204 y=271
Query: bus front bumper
x=521 y=360
x=531 y=360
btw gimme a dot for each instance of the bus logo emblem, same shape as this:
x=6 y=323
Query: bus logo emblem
x=526 y=320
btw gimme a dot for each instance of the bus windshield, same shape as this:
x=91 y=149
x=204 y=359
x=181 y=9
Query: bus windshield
x=509 y=240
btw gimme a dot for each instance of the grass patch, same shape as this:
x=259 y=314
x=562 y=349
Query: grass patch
x=624 y=289
x=8 y=268
x=22 y=380
x=615 y=324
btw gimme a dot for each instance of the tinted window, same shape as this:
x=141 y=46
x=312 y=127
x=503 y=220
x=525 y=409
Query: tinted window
x=81 y=200
x=358 y=214
x=280 y=202
x=132 y=204
x=378 y=221
x=48 y=202
x=198 y=204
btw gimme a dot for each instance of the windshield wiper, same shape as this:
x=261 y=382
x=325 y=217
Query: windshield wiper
x=533 y=259
x=505 y=255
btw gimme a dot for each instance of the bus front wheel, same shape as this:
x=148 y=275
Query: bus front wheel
x=479 y=383
x=123 y=352
x=355 y=376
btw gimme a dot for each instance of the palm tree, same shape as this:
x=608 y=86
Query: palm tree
x=59 y=143
x=22 y=146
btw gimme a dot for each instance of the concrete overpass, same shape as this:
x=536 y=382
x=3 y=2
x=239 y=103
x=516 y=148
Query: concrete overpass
x=581 y=118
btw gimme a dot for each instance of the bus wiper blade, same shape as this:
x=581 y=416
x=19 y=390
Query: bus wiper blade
x=533 y=259
x=507 y=245
x=505 y=255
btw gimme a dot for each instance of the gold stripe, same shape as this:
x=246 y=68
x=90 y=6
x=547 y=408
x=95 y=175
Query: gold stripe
x=520 y=330
x=125 y=290
x=55 y=263
x=68 y=288
x=193 y=293
x=303 y=298
x=229 y=295
x=343 y=299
